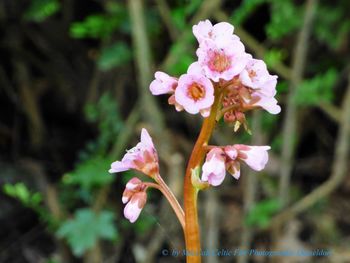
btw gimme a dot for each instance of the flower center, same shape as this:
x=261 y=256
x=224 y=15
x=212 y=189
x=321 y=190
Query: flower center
x=219 y=62
x=251 y=74
x=196 y=91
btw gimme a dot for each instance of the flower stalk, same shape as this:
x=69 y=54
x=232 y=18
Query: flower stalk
x=192 y=236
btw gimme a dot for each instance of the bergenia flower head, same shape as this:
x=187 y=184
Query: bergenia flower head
x=143 y=157
x=220 y=159
x=195 y=92
x=135 y=198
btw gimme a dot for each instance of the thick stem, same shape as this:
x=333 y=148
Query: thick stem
x=190 y=193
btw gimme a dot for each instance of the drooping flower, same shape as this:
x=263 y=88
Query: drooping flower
x=219 y=32
x=222 y=59
x=220 y=159
x=143 y=157
x=263 y=86
x=195 y=93
x=213 y=170
x=135 y=198
x=267 y=103
x=163 y=84
x=254 y=156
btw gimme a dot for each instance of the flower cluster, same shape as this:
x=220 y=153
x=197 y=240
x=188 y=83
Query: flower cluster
x=224 y=73
x=222 y=64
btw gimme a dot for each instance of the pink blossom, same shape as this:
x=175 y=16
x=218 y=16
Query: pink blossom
x=214 y=169
x=220 y=159
x=143 y=157
x=256 y=76
x=133 y=208
x=263 y=86
x=267 y=103
x=195 y=93
x=219 y=32
x=163 y=84
x=254 y=156
x=222 y=60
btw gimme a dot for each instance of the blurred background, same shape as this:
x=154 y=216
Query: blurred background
x=74 y=78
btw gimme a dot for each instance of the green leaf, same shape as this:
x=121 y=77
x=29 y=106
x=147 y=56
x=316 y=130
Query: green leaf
x=39 y=10
x=90 y=173
x=316 y=90
x=86 y=228
x=274 y=56
x=23 y=194
x=95 y=26
x=114 y=56
x=262 y=212
x=285 y=19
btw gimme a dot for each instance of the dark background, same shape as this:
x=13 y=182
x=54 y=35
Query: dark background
x=74 y=78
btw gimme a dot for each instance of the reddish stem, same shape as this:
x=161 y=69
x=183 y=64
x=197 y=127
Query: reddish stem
x=190 y=193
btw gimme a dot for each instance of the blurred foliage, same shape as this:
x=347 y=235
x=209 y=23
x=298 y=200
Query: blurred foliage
x=39 y=10
x=332 y=25
x=90 y=173
x=86 y=228
x=285 y=19
x=114 y=56
x=106 y=116
x=261 y=213
x=23 y=194
x=95 y=26
x=274 y=56
x=317 y=90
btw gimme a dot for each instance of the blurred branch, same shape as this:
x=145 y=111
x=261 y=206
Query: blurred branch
x=165 y=14
x=149 y=108
x=290 y=120
x=339 y=168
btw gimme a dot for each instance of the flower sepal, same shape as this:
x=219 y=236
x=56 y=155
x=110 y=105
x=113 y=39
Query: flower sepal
x=196 y=181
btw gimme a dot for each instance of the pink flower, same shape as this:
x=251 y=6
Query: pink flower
x=163 y=84
x=195 y=93
x=220 y=159
x=219 y=32
x=222 y=60
x=267 y=103
x=263 y=85
x=135 y=198
x=256 y=76
x=143 y=157
x=214 y=169
x=255 y=156
x=133 y=208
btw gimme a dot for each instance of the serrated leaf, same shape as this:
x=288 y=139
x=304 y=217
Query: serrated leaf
x=86 y=228
x=90 y=173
